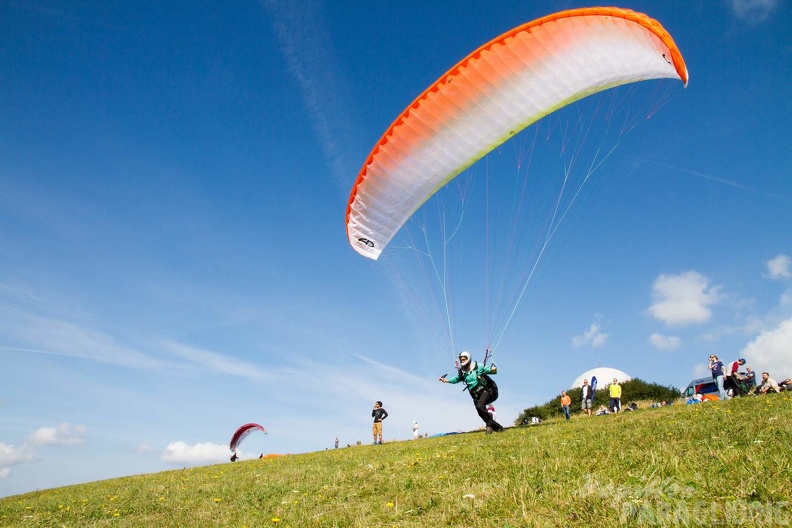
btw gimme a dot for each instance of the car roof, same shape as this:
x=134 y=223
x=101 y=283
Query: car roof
x=701 y=380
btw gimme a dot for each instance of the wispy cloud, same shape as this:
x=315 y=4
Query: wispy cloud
x=309 y=52
x=753 y=11
x=779 y=267
x=720 y=181
x=215 y=362
x=391 y=370
x=33 y=324
x=145 y=448
x=683 y=299
x=41 y=334
x=663 y=342
x=64 y=434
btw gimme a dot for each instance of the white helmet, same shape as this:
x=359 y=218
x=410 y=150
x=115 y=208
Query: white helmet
x=464 y=358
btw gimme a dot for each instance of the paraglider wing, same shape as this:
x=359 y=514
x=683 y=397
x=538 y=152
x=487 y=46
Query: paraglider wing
x=492 y=94
x=243 y=432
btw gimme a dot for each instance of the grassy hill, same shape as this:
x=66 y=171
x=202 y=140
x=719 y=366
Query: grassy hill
x=695 y=465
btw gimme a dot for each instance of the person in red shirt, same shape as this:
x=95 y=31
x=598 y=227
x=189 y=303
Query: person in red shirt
x=733 y=377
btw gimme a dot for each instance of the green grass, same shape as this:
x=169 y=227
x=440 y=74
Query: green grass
x=687 y=465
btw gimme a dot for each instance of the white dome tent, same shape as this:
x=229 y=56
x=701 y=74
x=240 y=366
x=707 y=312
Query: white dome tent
x=604 y=375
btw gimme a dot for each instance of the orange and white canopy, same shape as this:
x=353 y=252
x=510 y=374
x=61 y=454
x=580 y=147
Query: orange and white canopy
x=492 y=94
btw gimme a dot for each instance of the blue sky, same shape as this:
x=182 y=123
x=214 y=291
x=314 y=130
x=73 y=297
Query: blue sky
x=173 y=183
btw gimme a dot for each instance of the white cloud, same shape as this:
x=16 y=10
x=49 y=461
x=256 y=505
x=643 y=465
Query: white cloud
x=145 y=448
x=753 y=11
x=64 y=434
x=780 y=267
x=10 y=454
x=592 y=337
x=4 y=472
x=41 y=334
x=661 y=342
x=786 y=298
x=218 y=363
x=683 y=299
x=195 y=455
x=770 y=351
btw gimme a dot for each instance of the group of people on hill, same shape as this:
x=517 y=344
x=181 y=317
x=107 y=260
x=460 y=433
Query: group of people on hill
x=587 y=399
x=731 y=382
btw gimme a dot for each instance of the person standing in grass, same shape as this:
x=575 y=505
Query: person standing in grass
x=586 y=397
x=716 y=368
x=482 y=389
x=615 y=396
x=416 y=434
x=566 y=401
x=379 y=414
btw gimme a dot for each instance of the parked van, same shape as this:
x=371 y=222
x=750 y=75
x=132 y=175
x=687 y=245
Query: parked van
x=700 y=386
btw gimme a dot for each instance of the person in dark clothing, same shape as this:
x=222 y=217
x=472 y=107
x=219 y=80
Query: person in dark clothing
x=482 y=389
x=750 y=379
x=733 y=380
x=379 y=414
x=586 y=398
x=716 y=368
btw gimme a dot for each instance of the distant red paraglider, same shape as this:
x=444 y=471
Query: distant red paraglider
x=242 y=433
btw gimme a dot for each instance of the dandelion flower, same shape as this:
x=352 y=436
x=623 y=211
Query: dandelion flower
x=390 y=505
x=275 y=520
